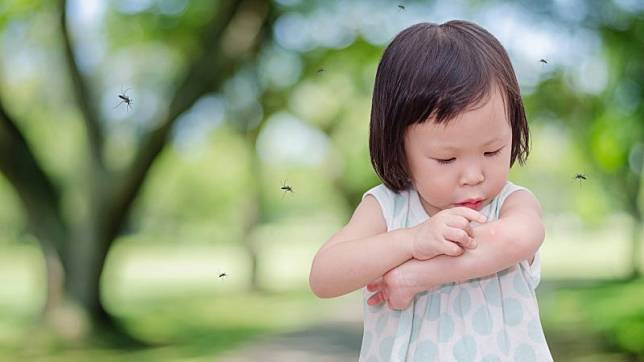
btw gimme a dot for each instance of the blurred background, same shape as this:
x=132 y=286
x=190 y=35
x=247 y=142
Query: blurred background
x=145 y=145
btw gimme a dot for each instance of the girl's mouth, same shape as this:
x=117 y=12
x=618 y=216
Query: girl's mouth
x=476 y=205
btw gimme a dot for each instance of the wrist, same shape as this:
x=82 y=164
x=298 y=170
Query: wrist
x=425 y=274
x=405 y=238
x=417 y=275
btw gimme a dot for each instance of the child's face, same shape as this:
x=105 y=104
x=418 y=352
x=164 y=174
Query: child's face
x=453 y=163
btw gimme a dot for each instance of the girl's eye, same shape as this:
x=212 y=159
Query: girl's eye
x=492 y=154
x=445 y=162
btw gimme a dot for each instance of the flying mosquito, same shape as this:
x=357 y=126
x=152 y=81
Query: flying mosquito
x=221 y=275
x=401 y=7
x=286 y=188
x=125 y=99
x=543 y=61
x=320 y=70
x=580 y=177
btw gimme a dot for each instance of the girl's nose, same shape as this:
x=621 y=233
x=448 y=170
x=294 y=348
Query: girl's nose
x=472 y=175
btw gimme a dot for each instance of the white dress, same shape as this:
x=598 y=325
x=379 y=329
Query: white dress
x=494 y=318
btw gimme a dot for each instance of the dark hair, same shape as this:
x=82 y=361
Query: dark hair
x=438 y=71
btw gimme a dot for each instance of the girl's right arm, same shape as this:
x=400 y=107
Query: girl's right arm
x=515 y=236
x=360 y=252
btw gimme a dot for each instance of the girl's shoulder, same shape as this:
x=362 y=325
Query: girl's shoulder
x=508 y=189
x=381 y=192
x=389 y=201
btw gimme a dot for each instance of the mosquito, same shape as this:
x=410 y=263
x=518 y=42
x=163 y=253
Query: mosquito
x=221 y=275
x=125 y=99
x=401 y=7
x=286 y=188
x=543 y=61
x=580 y=177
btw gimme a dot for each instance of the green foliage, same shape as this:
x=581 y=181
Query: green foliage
x=610 y=309
x=199 y=189
x=17 y=9
x=602 y=130
x=177 y=28
x=12 y=220
x=205 y=194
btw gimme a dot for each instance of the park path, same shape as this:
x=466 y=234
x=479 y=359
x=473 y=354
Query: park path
x=336 y=339
x=327 y=342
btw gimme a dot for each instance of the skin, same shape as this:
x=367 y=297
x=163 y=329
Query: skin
x=515 y=236
x=476 y=146
x=467 y=158
x=448 y=246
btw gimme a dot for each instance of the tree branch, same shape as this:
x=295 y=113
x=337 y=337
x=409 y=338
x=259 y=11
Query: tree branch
x=82 y=94
x=39 y=196
x=205 y=73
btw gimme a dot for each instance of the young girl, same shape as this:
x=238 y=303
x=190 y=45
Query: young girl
x=447 y=247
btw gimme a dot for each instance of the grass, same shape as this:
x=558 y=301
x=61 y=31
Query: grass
x=187 y=328
x=601 y=319
x=190 y=316
x=170 y=297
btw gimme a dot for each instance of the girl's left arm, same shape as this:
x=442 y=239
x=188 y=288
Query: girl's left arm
x=515 y=236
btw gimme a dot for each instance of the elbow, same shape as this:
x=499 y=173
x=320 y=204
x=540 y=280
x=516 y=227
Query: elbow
x=536 y=241
x=326 y=278
x=315 y=286
x=318 y=288
x=530 y=244
x=316 y=282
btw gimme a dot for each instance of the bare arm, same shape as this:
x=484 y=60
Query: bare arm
x=359 y=253
x=516 y=236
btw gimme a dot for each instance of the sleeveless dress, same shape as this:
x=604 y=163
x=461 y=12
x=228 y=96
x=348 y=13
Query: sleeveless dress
x=493 y=318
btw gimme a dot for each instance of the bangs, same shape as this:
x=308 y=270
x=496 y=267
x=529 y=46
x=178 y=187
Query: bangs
x=441 y=78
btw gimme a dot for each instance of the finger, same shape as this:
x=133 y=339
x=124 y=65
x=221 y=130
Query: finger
x=376 y=281
x=460 y=222
x=470 y=232
x=375 y=284
x=458 y=236
x=463 y=235
x=468 y=213
x=457 y=221
x=376 y=299
x=451 y=249
x=473 y=242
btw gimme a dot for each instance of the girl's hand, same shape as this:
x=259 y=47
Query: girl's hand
x=447 y=232
x=396 y=287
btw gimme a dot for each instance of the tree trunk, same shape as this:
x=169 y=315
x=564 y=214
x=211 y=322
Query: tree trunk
x=248 y=241
x=55 y=283
x=75 y=255
x=254 y=213
x=83 y=275
x=636 y=250
x=251 y=250
x=630 y=189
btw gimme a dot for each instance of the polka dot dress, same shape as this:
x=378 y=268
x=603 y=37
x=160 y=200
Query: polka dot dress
x=495 y=318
